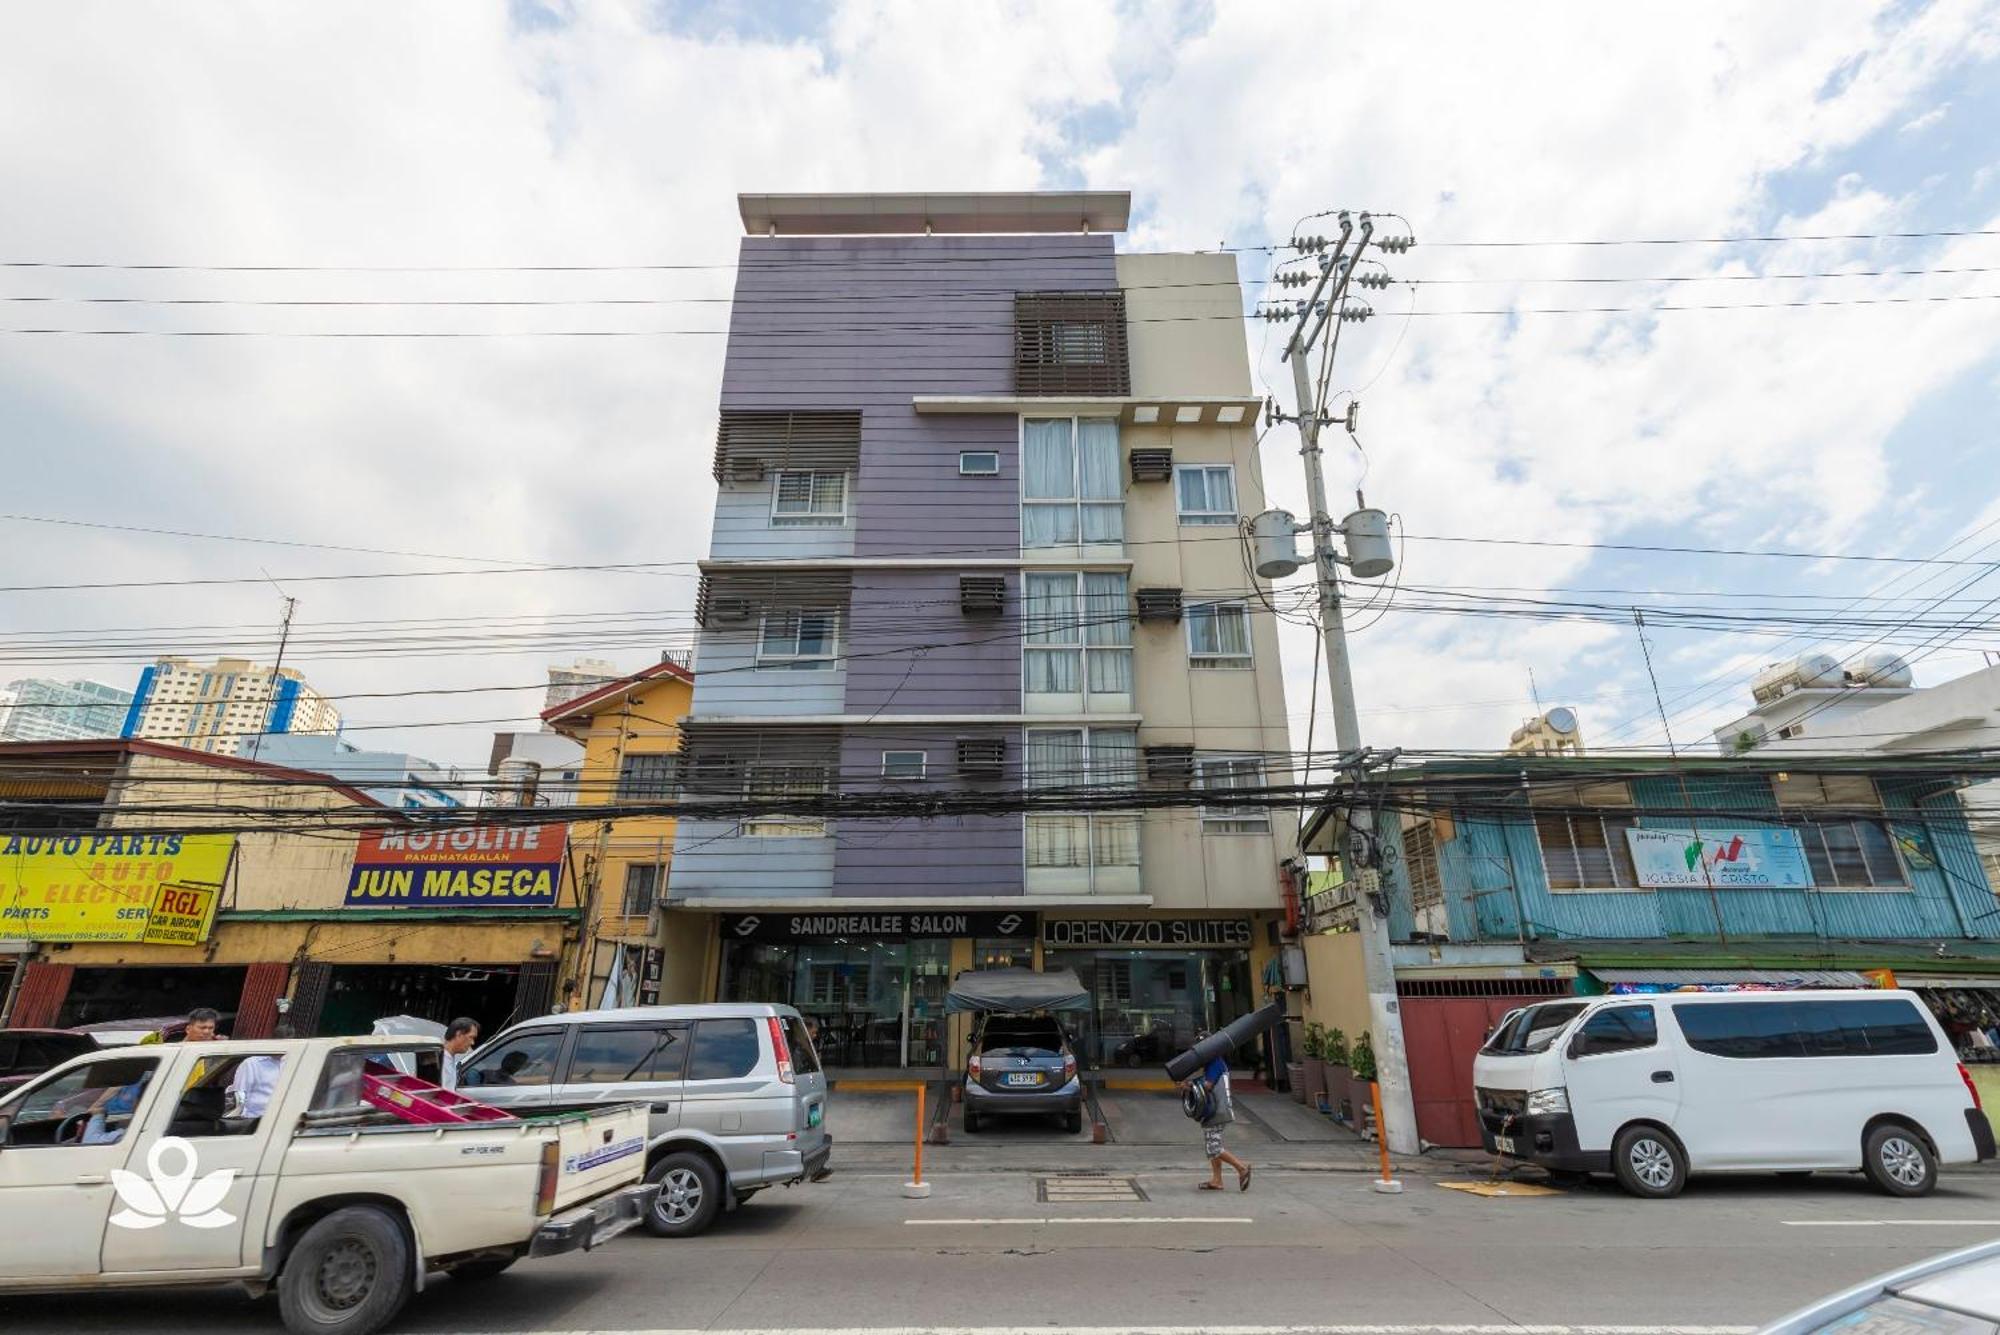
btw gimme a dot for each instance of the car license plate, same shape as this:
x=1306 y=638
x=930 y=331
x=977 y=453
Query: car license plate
x=1025 y=1078
x=815 y=1115
x=1505 y=1144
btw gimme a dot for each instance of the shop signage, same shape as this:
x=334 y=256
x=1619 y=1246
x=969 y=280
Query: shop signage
x=111 y=886
x=874 y=925
x=514 y=866
x=1065 y=933
x=1724 y=858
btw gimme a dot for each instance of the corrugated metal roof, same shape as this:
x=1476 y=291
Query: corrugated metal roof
x=1766 y=977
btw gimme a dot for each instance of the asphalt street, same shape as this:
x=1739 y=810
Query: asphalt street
x=1301 y=1250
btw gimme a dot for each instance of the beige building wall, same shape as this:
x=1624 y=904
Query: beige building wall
x=1183 y=313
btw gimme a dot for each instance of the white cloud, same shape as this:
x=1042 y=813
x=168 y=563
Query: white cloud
x=1924 y=122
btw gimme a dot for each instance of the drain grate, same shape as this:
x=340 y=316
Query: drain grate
x=1087 y=1189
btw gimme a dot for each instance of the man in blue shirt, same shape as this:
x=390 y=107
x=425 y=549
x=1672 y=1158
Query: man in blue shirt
x=1218 y=1114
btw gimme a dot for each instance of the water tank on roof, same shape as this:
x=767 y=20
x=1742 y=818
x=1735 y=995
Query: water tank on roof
x=1806 y=672
x=1881 y=667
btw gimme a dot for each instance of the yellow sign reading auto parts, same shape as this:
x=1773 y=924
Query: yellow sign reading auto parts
x=111 y=886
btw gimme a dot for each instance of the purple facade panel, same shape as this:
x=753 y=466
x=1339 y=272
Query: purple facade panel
x=914 y=652
x=944 y=858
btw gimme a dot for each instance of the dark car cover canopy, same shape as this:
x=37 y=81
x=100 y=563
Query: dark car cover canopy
x=1017 y=990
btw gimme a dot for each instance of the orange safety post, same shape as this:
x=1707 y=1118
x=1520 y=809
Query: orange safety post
x=916 y=1186
x=1387 y=1182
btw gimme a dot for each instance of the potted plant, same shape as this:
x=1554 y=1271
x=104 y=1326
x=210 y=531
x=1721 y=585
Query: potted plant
x=1361 y=1068
x=1333 y=1049
x=1315 y=1065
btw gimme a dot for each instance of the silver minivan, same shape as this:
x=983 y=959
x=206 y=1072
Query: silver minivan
x=738 y=1097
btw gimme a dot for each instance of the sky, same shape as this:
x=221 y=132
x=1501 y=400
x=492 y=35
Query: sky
x=438 y=153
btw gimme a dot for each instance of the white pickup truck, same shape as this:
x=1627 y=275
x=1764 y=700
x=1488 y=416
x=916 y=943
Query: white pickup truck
x=257 y=1161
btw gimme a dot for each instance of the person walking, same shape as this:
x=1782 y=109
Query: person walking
x=1209 y=1095
x=460 y=1037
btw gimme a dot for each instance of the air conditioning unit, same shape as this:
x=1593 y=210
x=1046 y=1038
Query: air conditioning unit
x=1159 y=604
x=1152 y=465
x=982 y=595
x=1169 y=764
x=981 y=757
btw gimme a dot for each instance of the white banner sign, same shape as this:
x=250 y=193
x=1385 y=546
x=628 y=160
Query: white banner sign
x=1720 y=857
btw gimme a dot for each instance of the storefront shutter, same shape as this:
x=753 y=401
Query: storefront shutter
x=257 y=1009
x=43 y=989
x=309 y=998
x=535 y=993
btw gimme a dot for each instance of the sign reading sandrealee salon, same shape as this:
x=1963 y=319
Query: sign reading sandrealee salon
x=1724 y=858
x=512 y=866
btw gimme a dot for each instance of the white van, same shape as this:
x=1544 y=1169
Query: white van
x=1651 y=1088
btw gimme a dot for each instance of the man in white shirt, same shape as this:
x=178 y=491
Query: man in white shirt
x=250 y=1088
x=460 y=1037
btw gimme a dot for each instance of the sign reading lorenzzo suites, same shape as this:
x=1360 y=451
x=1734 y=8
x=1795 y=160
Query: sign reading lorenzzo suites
x=1063 y=933
x=875 y=925
x=518 y=866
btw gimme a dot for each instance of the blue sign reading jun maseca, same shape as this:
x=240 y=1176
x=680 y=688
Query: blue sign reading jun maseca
x=519 y=866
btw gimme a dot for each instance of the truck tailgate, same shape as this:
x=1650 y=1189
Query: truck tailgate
x=601 y=1151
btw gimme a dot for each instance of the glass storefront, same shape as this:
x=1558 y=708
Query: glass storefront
x=876 y=1003
x=1147 y=1005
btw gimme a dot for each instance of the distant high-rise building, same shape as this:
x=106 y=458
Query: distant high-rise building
x=224 y=706
x=37 y=709
x=568 y=682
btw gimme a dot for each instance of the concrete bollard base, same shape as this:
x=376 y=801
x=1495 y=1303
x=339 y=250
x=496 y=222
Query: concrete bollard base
x=1388 y=1187
x=917 y=1190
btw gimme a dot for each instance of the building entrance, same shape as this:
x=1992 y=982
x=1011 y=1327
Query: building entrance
x=1147 y=1005
x=875 y=1003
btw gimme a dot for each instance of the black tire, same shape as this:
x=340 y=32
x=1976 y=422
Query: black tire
x=690 y=1195
x=971 y=1122
x=349 y=1275
x=1648 y=1163
x=1796 y=1175
x=1898 y=1161
x=1073 y=1121
x=486 y=1267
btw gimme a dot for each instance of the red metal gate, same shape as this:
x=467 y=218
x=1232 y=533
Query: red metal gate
x=1442 y=1035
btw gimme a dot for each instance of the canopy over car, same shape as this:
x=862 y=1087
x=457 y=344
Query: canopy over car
x=1016 y=990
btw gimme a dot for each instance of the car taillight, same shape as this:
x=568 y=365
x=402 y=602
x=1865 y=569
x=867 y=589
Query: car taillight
x=1970 y=1088
x=781 y=1047
x=974 y=1066
x=545 y=1181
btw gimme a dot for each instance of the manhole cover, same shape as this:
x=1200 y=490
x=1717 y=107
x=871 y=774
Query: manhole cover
x=1087 y=1188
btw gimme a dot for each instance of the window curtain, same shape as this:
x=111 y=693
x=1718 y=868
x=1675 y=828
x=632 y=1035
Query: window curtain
x=1114 y=758
x=1107 y=628
x=1058 y=841
x=1193 y=484
x=1052 y=608
x=1054 y=757
x=1099 y=481
x=1219 y=630
x=1055 y=671
x=1114 y=841
x=1048 y=461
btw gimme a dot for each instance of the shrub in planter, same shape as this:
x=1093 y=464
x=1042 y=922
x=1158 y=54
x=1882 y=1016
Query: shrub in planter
x=1315 y=1066
x=1361 y=1070
x=1334 y=1051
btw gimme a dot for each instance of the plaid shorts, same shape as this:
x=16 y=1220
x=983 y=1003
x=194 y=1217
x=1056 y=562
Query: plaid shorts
x=1211 y=1141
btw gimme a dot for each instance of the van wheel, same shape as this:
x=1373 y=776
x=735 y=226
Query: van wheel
x=349 y=1274
x=1898 y=1161
x=690 y=1195
x=1648 y=1163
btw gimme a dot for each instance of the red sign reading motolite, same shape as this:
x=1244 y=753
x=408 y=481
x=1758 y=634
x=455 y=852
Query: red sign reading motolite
x=497 y=865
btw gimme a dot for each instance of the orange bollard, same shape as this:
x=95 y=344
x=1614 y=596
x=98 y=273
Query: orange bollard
x=1387 y=1182
x=916 y=1187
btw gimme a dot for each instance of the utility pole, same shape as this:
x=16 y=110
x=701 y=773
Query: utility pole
x=284 y=637
x=1366 y=532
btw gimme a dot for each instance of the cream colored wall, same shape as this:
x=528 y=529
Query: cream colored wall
x=1185 y=321
x=1338 y=998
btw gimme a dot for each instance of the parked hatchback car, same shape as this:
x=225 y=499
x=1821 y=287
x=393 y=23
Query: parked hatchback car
x=1022 y=1065
x=738 y=1098
x=29 y=1052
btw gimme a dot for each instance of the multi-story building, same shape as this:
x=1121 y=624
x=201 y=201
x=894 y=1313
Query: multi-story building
x=393 y=778
x=569 y=680
x=980 y=479
x=36 y=709
x=224 y=706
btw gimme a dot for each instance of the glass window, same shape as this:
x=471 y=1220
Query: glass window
x=1218 y=635
x=1207 y=493
x=1071 y=489
x=809 y=498
x=978 y=463
x=770 y=782
x=1743 y=1028
x=642 y=888
x=526 y=1059
x=648 y=777
x=1219 y=774
x=1587 y=852
x=1888 y=1027
x=1082 y=758
x=798 y=1037
x=724 y=1050
x=799 y=639
x=227 y=1097
x=621 y=1056
x=903 y=765
x=91 y=1105
x=1535 y=1028
x=1078 y=634
x=1620 y=1029
x=1852 y=855
x=1080 y=344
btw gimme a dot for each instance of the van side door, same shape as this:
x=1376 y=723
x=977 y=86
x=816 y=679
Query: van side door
x=517 y=1071
x=628 y=1062
x=1618 y=1071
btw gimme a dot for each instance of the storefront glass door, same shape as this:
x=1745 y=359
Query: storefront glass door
x=1147 y=1005
x=876 y=1003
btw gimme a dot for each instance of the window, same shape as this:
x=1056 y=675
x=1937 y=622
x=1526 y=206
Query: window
x=799 y=639
x=648 y=778
x=529 y=1059
x=809 y=498
x=1864 y=1027
x=1086 y=844
x=1534 y=1028
x=1221 y=774
x=1852 y=855
x=1207 y=493
x=1072 y=494
x=1420 y=865
x=227 y=1097
x=1218 y=635
x=621 y=1056
x=1587 y=852
x=978 y=463
x=101 y=1097
x=1080 y=344
x=773 y=782
x=642 y=888
x=1620 y=1029
x=805 y=1057
x=724 y=1050
x=1070 y=343
x=1078 y=635
x=903 y=765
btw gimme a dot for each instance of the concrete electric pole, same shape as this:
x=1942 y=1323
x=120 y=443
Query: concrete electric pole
x=1369 y=555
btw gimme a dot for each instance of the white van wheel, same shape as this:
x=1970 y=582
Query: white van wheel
x=1648 y=1163
x=1898 y=1161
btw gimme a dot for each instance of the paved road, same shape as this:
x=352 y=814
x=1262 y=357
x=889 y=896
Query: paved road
x=1301 y=1249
